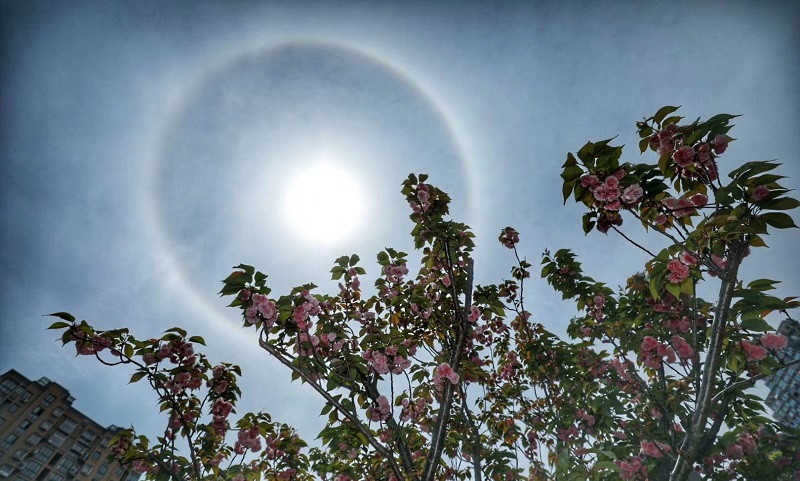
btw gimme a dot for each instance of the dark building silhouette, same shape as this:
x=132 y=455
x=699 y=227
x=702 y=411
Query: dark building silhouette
x=784 y=386
x=43 y=438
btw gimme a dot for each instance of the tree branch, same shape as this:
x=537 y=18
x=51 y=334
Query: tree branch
x=346 y=413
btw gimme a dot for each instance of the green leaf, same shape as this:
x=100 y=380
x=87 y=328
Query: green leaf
x=59 y=325
x=571 y=172
x=663 y=112
x=785 y=203
x=137 y=376
x=779 y=220
x=644 y=143
x=63 y=315
x=756 y=324
x=198 y=340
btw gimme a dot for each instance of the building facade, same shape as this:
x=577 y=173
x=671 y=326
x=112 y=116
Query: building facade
x=784 y=386
x=43 y=438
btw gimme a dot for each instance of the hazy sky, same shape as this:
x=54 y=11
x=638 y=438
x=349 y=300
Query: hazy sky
x=147 y=147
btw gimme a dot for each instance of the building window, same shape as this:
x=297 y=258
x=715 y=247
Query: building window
x=26 y=396
x=31 y=468
x=10 y=440
x=95 y=455
x=55 y=477
x=20 y=454
x=6 y=469
x=88 y=436
x=48 y=400
x=34 y=439
x=8 y=385
x=57 y=438
x=68 y=426
x=102 y=469
x=57 y=412
x=23 y=426
x=46 y=425
x=36 y=412
x=66 y=464
x=86 y=469
x=43 y=453
x=2 y=420
x=13 y=408
x=19 y=389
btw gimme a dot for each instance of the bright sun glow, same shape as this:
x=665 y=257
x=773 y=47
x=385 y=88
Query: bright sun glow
x=323 y=203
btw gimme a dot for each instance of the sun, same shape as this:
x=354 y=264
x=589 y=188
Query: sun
x=323 y=203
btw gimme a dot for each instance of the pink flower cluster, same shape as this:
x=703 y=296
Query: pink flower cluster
x=682 y=348
x=683 y=206
x=596 y=310
x=302 y=313
x=185 y=380
x=655 y=449
x=678 y=271
x=395 y=273
x=752 y=351
x=444 y=371
x=509 y=237
x=413 y=410
x=774 y=341
x=218 y=382
x=653 y=353
x=381 y=411
x=508 y=369
x=689 y=159
x=220 y=411
x=388 y=360
x=86 y=345
x=423 y=202
x=609 y=191
x=631 y=468
x=248 y=439
x=261 y=308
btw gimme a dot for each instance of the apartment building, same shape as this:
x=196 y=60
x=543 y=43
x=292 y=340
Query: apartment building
x=784 y=387
x=43 y=438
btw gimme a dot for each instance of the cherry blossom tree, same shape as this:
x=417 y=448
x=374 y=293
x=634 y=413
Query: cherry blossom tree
x=435 y=377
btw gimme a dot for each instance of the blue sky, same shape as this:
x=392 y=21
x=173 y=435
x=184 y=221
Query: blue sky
x=147 y=147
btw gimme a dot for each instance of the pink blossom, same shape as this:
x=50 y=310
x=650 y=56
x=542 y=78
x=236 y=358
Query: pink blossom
x=748 y=443
x=381 y=411
x=649 y=343
x=632 y=194
x=720 y=143
x=684 y=156
x=679 y=207
x=620 y=174
x=678 y=271
x=444 y=371
x=589 y=181
x=704 y=153
x=599 y=301
x=655 y=449
x=760 y=193
x=687 y=258
x=509 y=237
x=699 y=200
x=629 y=469
x=611 y=182
x=774 y=341
x=682 y=348
x=753 y=352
